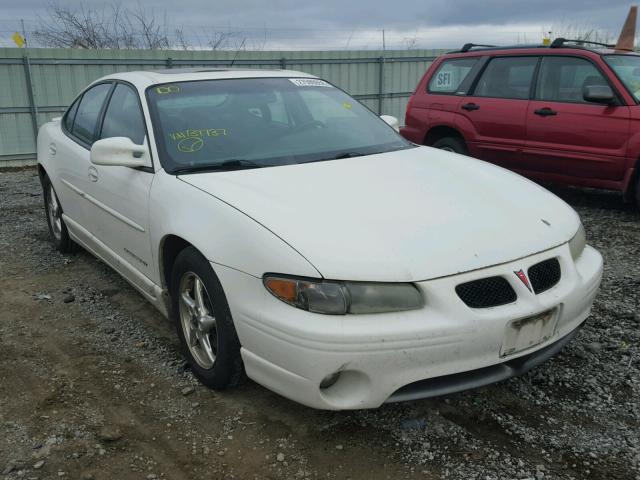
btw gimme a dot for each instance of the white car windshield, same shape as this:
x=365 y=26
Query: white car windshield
x=262 y=122
x=627 y=67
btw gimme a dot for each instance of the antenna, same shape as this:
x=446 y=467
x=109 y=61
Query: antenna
x=627 y=38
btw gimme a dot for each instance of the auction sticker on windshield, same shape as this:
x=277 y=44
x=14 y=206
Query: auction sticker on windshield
x=309 y=82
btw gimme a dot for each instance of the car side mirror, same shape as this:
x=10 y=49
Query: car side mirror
x=391 y=121
x=120 y=151
x=599 y=94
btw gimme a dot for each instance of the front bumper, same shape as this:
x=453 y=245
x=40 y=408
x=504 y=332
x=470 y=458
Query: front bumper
x=457 y=382
x=389 y=357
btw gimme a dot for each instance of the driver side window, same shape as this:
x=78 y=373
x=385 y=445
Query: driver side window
x=123 y=117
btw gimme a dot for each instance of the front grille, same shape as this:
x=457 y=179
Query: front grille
x=486 y=292
x=544 y=275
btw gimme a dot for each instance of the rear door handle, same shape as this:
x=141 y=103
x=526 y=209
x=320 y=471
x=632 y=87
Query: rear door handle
x=470 y=106
x=545 y=112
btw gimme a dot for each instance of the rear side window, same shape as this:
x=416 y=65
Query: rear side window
x=562 y=79
x=84 y=126
x=507 y=77
x=70 y=116
x=451 y=74
x=123 y=117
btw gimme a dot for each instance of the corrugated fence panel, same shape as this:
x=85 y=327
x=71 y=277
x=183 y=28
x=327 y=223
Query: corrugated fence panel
x=396 y=105
x=58 y=75
x=13 y=90
x=16 y=134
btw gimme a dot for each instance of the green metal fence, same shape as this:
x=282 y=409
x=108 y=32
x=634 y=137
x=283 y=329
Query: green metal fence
x=38 y=84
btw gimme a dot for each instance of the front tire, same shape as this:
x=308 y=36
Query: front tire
x=203 y=322
x=57 y=228
x=452 y=144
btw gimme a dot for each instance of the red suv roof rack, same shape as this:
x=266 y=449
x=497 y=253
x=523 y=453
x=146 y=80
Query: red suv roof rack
x=468 y=46
x=560 y=42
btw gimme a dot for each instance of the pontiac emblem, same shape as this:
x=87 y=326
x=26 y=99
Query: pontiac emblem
x=523 y=278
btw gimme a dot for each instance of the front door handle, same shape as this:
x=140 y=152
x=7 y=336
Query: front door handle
x=545 y=112
x=470 y=106
x=93 y=174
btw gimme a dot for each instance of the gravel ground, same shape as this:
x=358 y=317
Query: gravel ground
x=92 y=385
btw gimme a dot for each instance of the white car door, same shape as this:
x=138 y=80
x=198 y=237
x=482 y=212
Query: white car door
x=120 y=195
x=70 y=155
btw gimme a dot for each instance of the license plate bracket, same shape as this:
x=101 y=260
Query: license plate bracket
x=524 y=333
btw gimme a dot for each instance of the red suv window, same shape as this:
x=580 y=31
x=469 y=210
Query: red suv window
x=563 y=79
x=507 y=77
x=450 y=75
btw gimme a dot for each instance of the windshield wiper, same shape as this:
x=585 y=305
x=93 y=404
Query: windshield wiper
x=227 y=165
x=349 y=155
x=340 y=156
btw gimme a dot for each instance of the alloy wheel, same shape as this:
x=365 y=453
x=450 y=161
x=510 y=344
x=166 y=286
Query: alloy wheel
x=55 y=213
x=198 y=320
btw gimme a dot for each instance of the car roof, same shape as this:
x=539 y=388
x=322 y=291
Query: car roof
x=561 y=47
x=145 y=78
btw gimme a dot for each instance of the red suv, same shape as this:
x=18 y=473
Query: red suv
x=561 y=113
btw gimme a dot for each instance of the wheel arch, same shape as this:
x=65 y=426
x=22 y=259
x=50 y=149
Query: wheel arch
x=170 y=247
x=441 y=131
x=42 y=174
x=632 y=182
x=41 y=171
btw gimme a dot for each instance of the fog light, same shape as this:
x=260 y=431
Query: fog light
x=329 y=380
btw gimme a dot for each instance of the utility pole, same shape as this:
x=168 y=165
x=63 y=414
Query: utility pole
x=384 y=46
x=24 y=33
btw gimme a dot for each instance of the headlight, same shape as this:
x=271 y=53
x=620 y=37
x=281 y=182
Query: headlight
x=339 y=298
x=578 y=242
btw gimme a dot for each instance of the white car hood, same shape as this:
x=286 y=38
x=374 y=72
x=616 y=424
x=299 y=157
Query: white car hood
x=410 y=215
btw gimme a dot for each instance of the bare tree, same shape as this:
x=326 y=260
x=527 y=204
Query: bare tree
x=180 y=40
x=153 y=34
x=80 y=26
x=217 y=40
x=410 y=43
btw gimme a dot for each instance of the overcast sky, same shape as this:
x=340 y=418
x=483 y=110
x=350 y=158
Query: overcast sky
x=340 y=24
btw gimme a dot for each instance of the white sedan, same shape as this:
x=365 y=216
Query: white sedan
x=295 y=238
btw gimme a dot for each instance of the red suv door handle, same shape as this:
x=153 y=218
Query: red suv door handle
x=545 y=112
x=470 y=106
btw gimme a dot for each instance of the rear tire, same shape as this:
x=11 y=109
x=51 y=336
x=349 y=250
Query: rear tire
x=452 y=144
x=57 y=228
x=636 y=195
x=203 y=321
